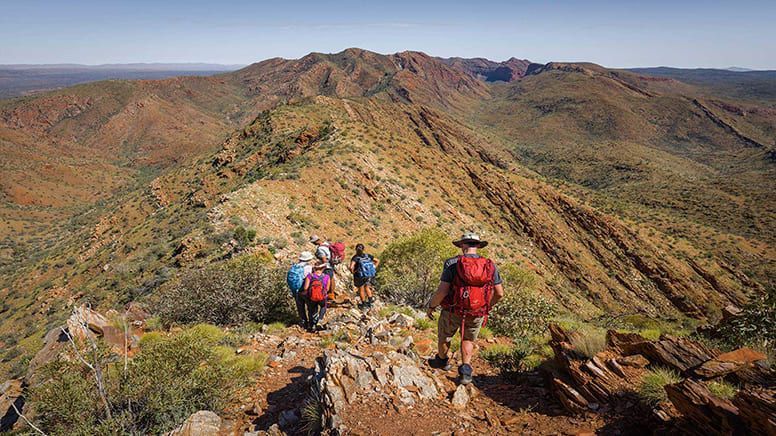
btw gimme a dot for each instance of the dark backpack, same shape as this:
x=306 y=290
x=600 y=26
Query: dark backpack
x=337 y=253
x=473 y=286
x=315 y=292
x=365 y=267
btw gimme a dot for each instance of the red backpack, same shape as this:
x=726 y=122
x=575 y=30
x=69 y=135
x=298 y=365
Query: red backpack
x=473 y=286
x=316 y=292
x=337 y=252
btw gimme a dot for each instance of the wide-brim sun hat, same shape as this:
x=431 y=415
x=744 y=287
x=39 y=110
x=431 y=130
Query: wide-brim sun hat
x=306 y=256
x=321 y=265
x=315 y=238
x=470 y=239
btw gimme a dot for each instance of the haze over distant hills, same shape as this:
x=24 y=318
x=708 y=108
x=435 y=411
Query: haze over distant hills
x=23 y=79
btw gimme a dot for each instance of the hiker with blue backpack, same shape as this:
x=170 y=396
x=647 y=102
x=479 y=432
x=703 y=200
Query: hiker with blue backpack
x=364 y=269
x=295 y=280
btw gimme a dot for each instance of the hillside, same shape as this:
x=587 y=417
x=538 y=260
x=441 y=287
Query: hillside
x=624 y=194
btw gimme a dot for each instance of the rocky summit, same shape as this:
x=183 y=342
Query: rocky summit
x=632 y=215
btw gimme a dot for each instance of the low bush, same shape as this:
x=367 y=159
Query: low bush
x=652 y=390
x=410 y=267
x=522 y=312
x=171 y=376
x=509 y=359
x=242 y=289
x=756 y=326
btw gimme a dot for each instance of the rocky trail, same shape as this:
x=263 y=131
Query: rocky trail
x=379 y=383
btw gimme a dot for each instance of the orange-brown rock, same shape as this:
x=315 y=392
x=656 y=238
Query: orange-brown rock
x=708 y=414
x=729 y=362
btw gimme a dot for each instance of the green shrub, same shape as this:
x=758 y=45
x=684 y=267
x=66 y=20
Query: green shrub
x=652 y=390
x=410 y=267
x=231 y=292
x=244 y=236
x=424 y=324
x=508 y=359
x=522 y=312
x=169 y=378
x=756 y=326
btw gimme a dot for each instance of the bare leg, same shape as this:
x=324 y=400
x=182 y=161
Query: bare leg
x=443 y=347
x=467 y=349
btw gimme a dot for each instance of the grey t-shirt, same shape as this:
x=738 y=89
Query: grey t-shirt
x=449 y=271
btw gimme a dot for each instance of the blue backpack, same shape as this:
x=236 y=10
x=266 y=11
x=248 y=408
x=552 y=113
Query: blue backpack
x=295 y=277
x=366 y=267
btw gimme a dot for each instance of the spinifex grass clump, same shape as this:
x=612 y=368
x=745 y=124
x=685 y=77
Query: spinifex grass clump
x=652 y=390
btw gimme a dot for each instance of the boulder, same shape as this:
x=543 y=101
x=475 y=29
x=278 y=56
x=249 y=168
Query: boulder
x=402 y=320
x=202 y=423
x=85 y=317
x=727 y=363
x=10 y=396
x=636 y=361
x=460 y=397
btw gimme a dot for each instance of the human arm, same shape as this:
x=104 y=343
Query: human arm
x=442 y=290
x=352 y=267
x=306 y=284
x=376 y=262
x=498 y=294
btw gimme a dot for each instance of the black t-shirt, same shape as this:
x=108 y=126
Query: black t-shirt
x=449 y=271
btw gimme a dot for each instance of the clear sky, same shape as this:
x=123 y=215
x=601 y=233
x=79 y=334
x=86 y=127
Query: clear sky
x=612 y=33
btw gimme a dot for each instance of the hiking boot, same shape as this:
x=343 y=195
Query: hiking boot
x=465 y=374
x=439 y=363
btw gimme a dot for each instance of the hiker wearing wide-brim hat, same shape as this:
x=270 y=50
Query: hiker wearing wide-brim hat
x=295 y=280
x=470 y=285
x=316 y=291
x=470 y=239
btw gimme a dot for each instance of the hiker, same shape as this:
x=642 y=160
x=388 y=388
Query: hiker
x=324 y=254
x=295 y=280
x=364 y=269
x=315 y=292
x=470 y=285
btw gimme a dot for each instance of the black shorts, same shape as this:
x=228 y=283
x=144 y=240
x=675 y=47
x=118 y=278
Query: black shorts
x=361 y=281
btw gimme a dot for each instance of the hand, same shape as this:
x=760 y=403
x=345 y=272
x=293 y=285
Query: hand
x=430 y=313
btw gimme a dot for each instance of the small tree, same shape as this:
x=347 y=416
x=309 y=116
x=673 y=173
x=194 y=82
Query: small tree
x=410 y=267
x=522 y=311
x=242 y=289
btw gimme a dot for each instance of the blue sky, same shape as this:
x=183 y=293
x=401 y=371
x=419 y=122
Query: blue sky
x=611 y=33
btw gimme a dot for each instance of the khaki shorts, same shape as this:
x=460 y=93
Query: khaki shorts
x=450 y=323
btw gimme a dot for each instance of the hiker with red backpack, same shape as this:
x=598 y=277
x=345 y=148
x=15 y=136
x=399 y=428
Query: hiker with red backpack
x=315 y=292
x=470 y=285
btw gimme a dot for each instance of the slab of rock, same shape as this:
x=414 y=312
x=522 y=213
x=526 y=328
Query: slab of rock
x=202 y=423
x=635 y=361
x=402 y=320
x=707 y=413
x=617 y=340
x=84 y=316
x=758 y=410
x=460 y=397
x=726 y=363
x=676 y=353
x=10 y=395
x=53 y=343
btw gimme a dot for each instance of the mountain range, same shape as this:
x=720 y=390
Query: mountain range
x=624 y=191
